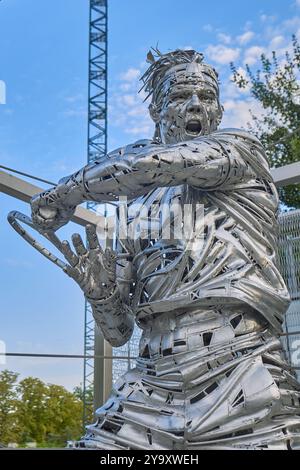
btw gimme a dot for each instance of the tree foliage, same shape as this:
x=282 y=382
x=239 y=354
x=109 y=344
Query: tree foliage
x=276 y=87
x=32 y=411
x=9 y=430
x=86 y=395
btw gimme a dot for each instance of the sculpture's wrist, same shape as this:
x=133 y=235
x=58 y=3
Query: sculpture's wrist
x=70 y=190
x=114 y=318
x=111 y=295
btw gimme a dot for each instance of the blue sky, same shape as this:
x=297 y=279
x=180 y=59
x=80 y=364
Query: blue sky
x=43 y=62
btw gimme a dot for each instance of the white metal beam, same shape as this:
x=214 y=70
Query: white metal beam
x=288 y=174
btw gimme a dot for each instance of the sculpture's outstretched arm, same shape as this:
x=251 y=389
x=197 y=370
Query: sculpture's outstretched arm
x=210 y=162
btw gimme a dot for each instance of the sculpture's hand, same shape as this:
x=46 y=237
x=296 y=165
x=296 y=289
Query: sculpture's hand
x=93 y=269
x=48 y=211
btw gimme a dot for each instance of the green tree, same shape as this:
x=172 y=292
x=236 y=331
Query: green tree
x=88 y=397
x=63 y=415
x=9 y=429
x=31 y=410
x=48 y=414
x=276 y=87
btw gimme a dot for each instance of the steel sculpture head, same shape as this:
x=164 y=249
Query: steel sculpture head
x=185 y=95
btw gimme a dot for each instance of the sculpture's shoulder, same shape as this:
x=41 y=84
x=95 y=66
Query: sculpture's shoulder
x=133 y=148
x=248 y=147
x=241 y=135
x=237 y=137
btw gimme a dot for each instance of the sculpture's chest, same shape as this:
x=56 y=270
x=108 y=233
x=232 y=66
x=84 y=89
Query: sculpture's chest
x=164 y=217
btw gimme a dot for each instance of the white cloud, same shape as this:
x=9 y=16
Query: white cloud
x=125 y=86
x=276 y=41
x=245 y=38
x=130 y=74
x=129 y=100
x=248 y=25
x=138 y=110
x=187 y=48
x=229 y=90
x=222 y=54
x=127 y=110
x=224 y=38
x=297 y=2
x=291 y=24
x=237 y=112
x=208 y=28
x=2 y=92
x=232 y=90
x=252 y=54
x=267 y=18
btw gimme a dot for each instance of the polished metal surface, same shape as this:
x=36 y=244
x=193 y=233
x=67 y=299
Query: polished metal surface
x=194 y=265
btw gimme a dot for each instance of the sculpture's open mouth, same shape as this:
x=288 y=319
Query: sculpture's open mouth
x=193 y=127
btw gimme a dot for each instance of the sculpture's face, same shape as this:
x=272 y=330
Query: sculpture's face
x=189 y=109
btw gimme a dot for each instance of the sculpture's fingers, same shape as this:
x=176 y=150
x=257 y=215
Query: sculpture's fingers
x=68 y=253
x=38 y=220
x=78 y=244
x=109 y=262
x=71 y=272
x=92 y=238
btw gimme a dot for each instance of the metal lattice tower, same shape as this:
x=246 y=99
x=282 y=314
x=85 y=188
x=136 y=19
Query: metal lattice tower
x=97 y=148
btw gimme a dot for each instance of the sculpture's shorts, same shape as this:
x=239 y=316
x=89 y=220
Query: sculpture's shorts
x=206 y=380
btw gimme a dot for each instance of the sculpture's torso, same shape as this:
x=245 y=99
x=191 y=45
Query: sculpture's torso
x=194 y=248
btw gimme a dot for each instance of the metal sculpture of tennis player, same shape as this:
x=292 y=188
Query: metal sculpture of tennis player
x=211 y=373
